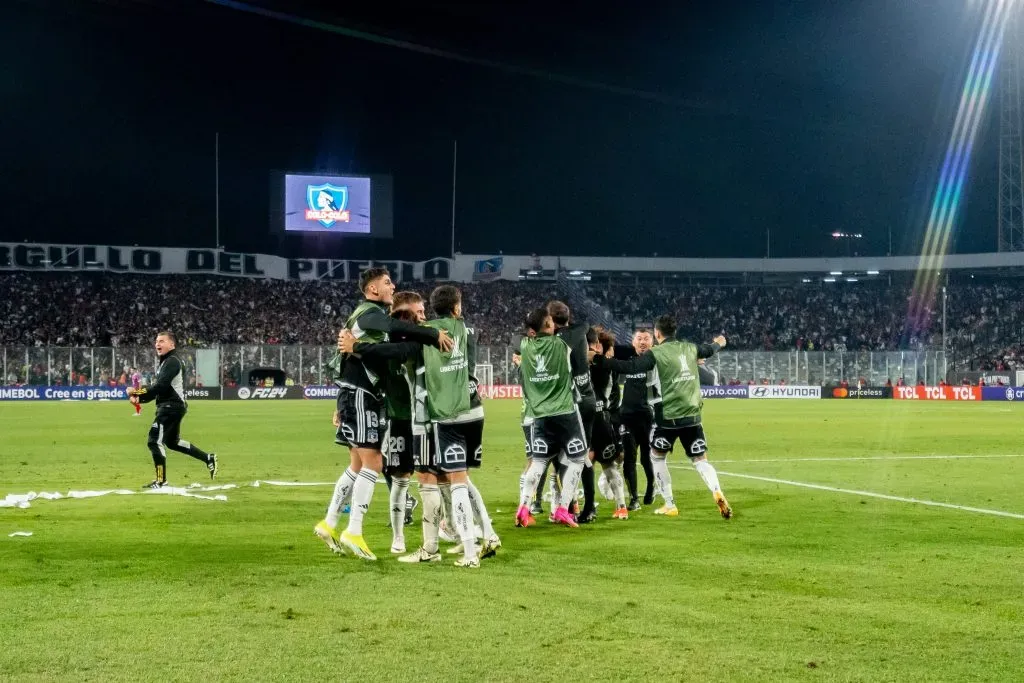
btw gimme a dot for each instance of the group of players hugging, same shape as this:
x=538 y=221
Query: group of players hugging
x=408 y=402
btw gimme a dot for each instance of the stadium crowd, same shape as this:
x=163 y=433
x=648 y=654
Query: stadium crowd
x=100 y=310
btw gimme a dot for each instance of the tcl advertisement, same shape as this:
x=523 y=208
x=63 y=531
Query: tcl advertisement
x=940 y=393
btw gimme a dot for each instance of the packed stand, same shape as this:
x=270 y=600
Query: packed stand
x=78 y=311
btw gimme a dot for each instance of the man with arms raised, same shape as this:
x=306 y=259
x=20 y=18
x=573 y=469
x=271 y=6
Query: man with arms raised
x=671 y=368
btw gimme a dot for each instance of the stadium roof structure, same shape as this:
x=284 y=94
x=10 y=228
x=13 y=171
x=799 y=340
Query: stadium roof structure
x=519 y=267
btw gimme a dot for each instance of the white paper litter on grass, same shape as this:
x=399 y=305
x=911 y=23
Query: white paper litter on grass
x=24 y=500
x=24 y=534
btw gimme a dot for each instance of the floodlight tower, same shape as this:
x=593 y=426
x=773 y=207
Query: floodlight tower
x=1011 y=179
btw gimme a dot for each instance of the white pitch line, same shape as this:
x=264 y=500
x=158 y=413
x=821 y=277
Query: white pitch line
x=883 y=496
x=874 y=457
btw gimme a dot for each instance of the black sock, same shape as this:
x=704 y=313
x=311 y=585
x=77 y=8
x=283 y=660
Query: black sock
x=198 y=453
x=540 y=484
x=387 y=479
x=588 y=490
x=629 y=470
x=645 y=461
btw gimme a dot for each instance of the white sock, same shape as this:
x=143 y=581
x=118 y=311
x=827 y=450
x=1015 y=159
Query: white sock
x=430 y=495
x=480 y=509
x=570 y=482
x=528 y=487
x=342 y=494
x=522 y=479
x=462 y=516
x=616 y=482
x=362 y=494
x=399 y=487
x=708 y=474
x=662 y=479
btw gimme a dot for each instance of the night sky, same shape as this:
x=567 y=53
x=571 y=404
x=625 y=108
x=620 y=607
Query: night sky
x=701 y=126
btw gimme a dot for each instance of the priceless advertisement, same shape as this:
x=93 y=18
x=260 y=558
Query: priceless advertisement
x=62 y=393
x=202 y=394
x=737 y=391
x=939 y=393
x=1002 y=393
x=858 y=392
x=795 y=392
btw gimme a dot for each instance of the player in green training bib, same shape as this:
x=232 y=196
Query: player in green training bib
x=360 y=415
x=445 y=404
x=671 y=368
x=557 y=429
x=457 y=421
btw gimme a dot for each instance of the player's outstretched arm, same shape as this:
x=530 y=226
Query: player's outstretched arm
x=644 y=363
x=379 y=321
x=400 y=351
x=708 y=350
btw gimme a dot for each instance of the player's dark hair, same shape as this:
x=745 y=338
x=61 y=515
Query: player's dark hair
x=559 y=312
x=369 y=275
x=169 y=335
x=535 y=319
x=404 y=314
x=607 y=340
x=592 y=336
x=666 y=324
x=444 y=299
x=641 y=330
x=405 y=298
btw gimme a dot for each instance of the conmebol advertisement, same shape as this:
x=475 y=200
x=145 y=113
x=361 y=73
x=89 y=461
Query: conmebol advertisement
x=62 y=393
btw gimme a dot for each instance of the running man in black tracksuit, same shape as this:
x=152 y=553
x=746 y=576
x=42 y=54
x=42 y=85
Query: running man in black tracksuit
x=169 y=393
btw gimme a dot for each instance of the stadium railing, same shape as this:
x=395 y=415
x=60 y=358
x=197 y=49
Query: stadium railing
x=226 y=365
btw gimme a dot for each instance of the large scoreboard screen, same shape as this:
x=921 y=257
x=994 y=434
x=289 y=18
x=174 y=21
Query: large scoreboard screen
x=350 y=205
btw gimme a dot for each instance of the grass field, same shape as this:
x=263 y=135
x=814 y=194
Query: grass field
x=802 y=584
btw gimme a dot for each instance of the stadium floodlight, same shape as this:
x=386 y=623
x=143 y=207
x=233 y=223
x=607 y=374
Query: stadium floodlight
x=830 y=279
x=575 y=272
x=806 y=279
x=872 y=272
x=851 y=279
x=835 y=272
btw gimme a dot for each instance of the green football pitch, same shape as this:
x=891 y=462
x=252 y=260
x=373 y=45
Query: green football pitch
x=872 y=540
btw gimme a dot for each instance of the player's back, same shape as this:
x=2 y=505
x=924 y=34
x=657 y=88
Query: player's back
x=547 y=376
x=677 y=379
x=447 y=372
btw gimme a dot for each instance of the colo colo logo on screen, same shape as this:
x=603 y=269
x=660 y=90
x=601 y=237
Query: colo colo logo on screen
x=327 y=203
